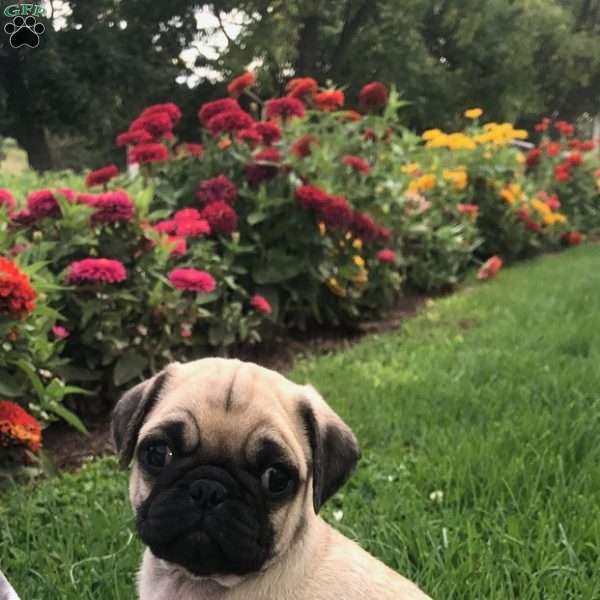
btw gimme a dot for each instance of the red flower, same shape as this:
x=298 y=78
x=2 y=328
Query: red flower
x=88 y=199
x=148 y=153
x=258 y=171
x=168 y=226
x=384 y=233
x=352 y=115
x=196 y=150
x=269 y=132
x=17 y=296
x=241 y=83
x=533 y=226
x=68 y=193
x=169 y=107
x=471 y=210
x=553 y=149
x=572 y=238
x=186 y=214
x=157 y=124
x=533 y=157
x=112 y=207
x=369 y=135
x=562 y=172
x=523 y=213
x=179 y=246
x=59 y=332
x=335 y=212
x=193 y=228
x=553 y=202
x=96 y=270
x=310 y=196
x=261 y=304
x=587 y=146
x=284 y=108
x=217 y=189
x=229 y=121
x=386 y=256
x=564 y=128
x=42 y=204
x=192 y=280
x=7 y=199
x=22 y=217
x=373 y=96
x=17 y=249
x=490 y=268
x=301 y=87
x=210 y=109
x=330 y=100
x=132 y=138
x=356 y=163
x=250 y=136
x=101 y=176
x=364 y=228
x=18 y=427
x=575 y=159
x=221 y=217
x=301 y=147
x=543 y=124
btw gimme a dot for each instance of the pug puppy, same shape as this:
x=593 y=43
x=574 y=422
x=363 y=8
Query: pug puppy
x=231 y=465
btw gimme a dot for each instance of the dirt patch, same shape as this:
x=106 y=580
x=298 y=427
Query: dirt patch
x=69 y=449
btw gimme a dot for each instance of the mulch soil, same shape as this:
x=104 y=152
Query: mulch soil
x=69 y=449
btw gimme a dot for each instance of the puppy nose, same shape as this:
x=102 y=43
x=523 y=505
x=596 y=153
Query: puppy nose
x=207 y=492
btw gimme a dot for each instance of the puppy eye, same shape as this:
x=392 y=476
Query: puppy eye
x=276 y=480
x=158 y=455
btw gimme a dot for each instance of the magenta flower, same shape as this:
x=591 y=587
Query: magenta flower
x=192 y=280
x=96 y=270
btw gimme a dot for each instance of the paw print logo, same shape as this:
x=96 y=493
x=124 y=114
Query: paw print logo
x=24 y=32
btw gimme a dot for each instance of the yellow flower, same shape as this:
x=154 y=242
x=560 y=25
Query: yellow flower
x=520 y=134
x=432 y=134
x=335 y=287
x=410 y=168
x=425 y=182
x=473 y=113
x=357 y=244
x=362 y=278
x=487 y=155
x=521 y=158
x=458 y=177
x=552 y=218
x=322 y=228
x=541 y=207
x=359 y=261
x=511 y=193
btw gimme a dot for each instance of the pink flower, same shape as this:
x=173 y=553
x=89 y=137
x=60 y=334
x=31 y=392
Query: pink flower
x=42 y=204
x=356 y=163
x=196 y=150
x=168 y=226
x=17 y=249
x=101 y=176
x=179 y=246
x=471 y=210
x=284 y=108
x=112 y=207
x=192 y=280
x=222 y=219
x=186 y=330
x=22 y=217
x=490 y=268
x=7 y=199
x=386 y=256
x=60 y=332
x=261 y=304
x=96 y=270
x=193 y=228
x=219 y=188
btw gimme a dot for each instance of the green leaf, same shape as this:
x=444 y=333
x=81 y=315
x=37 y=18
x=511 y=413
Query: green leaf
x=70 y=417
x=129 y=366
x=277 y=268
x=10 y=386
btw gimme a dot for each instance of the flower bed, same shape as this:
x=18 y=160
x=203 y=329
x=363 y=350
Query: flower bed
x=285 y=212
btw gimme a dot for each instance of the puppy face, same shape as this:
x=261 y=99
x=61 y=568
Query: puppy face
x=230 y=462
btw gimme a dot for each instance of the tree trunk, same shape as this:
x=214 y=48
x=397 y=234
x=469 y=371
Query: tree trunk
x=308 y=47
x=30 y=135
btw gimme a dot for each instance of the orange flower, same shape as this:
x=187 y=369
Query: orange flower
x=18 y=427
x=330 y=100
x=490 y=268
x=224 y=143
x=241 y=83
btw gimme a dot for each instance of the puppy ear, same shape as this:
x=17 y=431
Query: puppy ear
x=129 y=415
x=335 y=449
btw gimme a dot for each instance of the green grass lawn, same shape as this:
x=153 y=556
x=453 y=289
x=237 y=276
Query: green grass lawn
x=480 y=426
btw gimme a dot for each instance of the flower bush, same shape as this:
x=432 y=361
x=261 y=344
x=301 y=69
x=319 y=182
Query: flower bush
x=280 y=213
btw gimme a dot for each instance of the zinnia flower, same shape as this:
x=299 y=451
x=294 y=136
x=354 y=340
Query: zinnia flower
x=261 y=304
x=96 y=270
x=575 y=159
x=17 y=296
x=169 y=107
x=18 y=427
x=101 y=176
x=112 y=207
x=284 y=108
x=157 y=124
x=148 y=153
x=301 y=87
x=179 y=246
x=352 y=115
x=219 y=188
x=196 y=150
x=192 y=280
x=229 y=122
x=258 y=172
x=7 y=199
x=562 y=173
x=572 y=238
x=222 y=219
x=373 y=96
x=564 y=128
x=210 y=109
x=241 y=83
x=335 y=212
x=364 y=227
x=490 y=268
x=301 y=147
x=60 y=332
x=22 y=217
x=473 y=113
x=133 y=138
x=250 y=136
x=472 y=210
x=330 y=100
x=386 y=256
x=553 y=149
x=42 y=204
x=543 y=124
x=310 y=196
x=192 y=228
x=356 y=163
x=533 y=157
x=269 y=132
